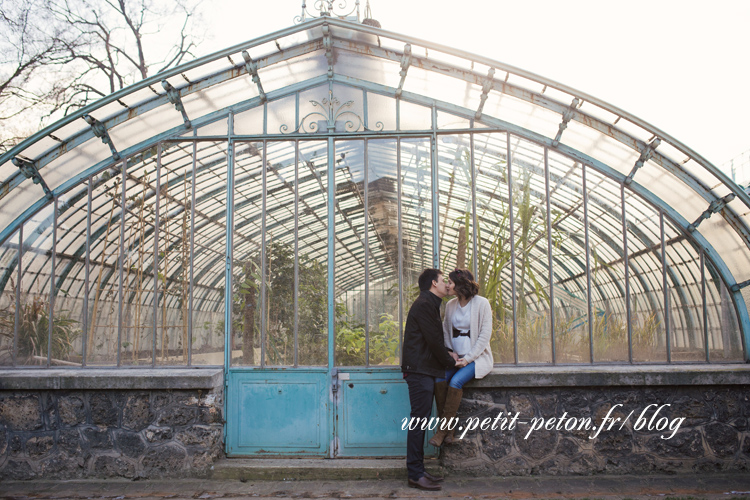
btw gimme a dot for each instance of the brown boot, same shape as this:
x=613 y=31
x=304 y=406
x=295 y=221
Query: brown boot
x=452 y=402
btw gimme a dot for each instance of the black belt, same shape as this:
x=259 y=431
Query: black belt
x=457 y=333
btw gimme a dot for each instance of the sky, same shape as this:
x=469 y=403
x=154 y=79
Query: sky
x=681 y=66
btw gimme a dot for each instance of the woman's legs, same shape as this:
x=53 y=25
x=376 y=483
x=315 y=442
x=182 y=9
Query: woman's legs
x=460 y=375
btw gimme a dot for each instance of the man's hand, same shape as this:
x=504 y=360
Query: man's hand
x=453 y=355
x=460 y=363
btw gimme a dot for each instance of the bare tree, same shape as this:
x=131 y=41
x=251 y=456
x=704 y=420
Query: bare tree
x=59 y=55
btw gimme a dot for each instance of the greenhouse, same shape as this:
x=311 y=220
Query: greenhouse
x=268 y=208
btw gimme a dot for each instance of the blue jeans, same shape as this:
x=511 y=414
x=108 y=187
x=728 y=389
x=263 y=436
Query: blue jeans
x=458 y=376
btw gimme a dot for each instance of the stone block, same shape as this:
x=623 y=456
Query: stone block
x=72 y=410
x=722 y=439
x=17 y=470
x=136 y=413
x=98 y=438
x=158 y=434
x=103 y=409
x=62 y=466
x=39 y=446
x=538 y=444
x=201 y=436
x=684 y=444
x=113 y=466
x=21 y=413
x=131 y=444
x=176 y=416
x=496 y=444
x=614 y=443
x=69 y=441
x=166 y=460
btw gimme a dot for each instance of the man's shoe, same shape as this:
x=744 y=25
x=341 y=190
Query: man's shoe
x=424 y=484
x=434 y=479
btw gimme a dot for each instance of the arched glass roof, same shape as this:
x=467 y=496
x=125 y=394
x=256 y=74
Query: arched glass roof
x=587 y=173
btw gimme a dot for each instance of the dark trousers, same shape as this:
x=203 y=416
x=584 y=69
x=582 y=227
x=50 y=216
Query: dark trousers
x=421 y=391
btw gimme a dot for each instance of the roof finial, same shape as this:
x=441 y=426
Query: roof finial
x=368 y=20
x=329 y=8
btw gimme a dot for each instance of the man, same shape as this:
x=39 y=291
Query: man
x=424 y=358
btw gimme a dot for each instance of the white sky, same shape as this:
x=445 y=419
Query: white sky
x=680 y=65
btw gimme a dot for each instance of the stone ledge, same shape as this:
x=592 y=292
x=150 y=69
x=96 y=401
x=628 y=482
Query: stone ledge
x=111 y=378
x=615 y=375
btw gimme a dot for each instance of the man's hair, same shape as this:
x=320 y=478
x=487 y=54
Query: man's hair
x=427 y=277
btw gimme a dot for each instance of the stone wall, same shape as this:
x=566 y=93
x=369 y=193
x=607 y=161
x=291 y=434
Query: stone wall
x=89 y=431
x=714 y=435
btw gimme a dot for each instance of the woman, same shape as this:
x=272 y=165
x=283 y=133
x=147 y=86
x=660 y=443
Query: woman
x=467 y=329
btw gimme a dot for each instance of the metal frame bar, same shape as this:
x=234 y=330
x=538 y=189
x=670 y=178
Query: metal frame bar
x=512 y=219
x=296 y=253
x=331 y=249
x=665 y=284
x=626 y=259
x=399 y=189
x=122 y=262
x=475 y=229
x=263 y=259
x=87 y=276
x=17 y=327
x=367 y=249
x=435 y=191
x=53 y=258
x=192 y=255
x=229 y=250
x=589 y=306
x=549 y=257
x=157 y=198
x=705 y=306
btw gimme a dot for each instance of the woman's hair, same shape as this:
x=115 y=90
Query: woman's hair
x=464 y=283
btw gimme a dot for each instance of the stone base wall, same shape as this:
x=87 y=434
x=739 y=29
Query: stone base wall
x=714 y=435
x=84 y=433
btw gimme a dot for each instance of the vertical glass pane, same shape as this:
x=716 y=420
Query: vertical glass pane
x=174 y=253
x=8 y=282
x=568 y=260
x=33 y=334
x=280 y=256
x=646 y=281
x=245 y=339
x=382 y=241
x=351 y=345
x=607 y=268
x=685 y=298
x=492 y=259
x=724 y=342
x=416 y=235
x=70 y=275
x=136 y=344
x=454 y=183
x=209 y=253
x=530 y=252
x=312 y=260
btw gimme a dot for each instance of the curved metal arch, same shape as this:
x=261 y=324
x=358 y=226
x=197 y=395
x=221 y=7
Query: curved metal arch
x=726 y=279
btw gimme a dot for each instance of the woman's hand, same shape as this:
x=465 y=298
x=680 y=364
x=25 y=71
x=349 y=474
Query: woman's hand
x=461 y=363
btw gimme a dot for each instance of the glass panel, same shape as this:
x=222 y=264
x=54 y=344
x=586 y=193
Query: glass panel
x=174 y=253
x=70 y=275
x=382 y=240
x=136 y=341
x=492 y=259
x=530 y=252
x=648 y=328
x=416 y=236
x=33 y=334
x=609 y=306
x=724 y=340
x=351 y=343
x=568 y=260
x=685 y=297
x=313 y=254
x=209 y=253
x=414 y=117
x=245 y=339
x=8 y=282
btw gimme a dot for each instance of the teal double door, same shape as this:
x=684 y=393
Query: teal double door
x=317 y=413
x=319 y=276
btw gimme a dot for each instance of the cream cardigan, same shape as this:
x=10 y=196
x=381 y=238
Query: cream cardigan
x=480 y=333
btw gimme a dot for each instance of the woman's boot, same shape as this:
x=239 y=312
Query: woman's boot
x=441 y=388
x=452 y=402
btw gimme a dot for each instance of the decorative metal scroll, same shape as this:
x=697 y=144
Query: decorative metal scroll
x=327 y=8
x=331 y=111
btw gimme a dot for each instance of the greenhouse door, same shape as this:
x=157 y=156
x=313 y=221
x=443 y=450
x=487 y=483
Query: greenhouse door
x=318 y=281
